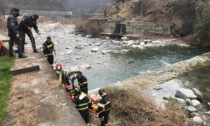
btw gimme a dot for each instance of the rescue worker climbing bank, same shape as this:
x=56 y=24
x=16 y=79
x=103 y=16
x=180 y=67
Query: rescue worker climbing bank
x=83 y=103
x=48 y=50
x=13 y=33
x=104 y=116
x=82 y=81
x=26 y=25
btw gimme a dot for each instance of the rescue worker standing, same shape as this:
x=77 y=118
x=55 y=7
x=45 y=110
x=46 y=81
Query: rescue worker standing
x=48 y=50
x=83 y=103
x=104 y=116
x=26 y=26
x=82 y=81
x=13 y=33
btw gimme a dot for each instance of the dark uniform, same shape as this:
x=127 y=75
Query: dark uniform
x=24 y=24
x=104 y=116
x=82 y=81
x=13 y=33
x=64 y=76
x=48 y=48
x=83 y=103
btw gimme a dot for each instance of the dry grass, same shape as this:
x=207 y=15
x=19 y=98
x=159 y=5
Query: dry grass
x=66 y=21
x=43 y=20
x=132 y=109
x=86 y=27
x=3 y=27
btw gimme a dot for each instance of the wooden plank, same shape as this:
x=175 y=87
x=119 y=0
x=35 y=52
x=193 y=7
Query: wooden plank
x=25 y=69
x=5 y=41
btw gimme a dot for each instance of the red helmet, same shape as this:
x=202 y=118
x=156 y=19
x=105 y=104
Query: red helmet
x=58 y=66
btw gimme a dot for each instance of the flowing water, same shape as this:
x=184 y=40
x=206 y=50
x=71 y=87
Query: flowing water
x=116 y=66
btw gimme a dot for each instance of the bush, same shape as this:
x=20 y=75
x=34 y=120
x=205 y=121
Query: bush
x=203 y=26
x=43 y=20
x=66 y=21
x=86 y=27
x=134 y=109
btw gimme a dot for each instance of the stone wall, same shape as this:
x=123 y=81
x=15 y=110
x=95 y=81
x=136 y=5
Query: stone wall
x=148 y=28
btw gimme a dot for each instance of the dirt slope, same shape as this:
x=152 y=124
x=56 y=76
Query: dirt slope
x=37 y=98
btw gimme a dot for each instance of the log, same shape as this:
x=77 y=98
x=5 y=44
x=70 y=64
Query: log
x=25 y=69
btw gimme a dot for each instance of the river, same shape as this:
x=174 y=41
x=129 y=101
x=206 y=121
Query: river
x=111 y=67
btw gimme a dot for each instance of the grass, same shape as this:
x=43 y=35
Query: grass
x=5 y=83
x=130 y=108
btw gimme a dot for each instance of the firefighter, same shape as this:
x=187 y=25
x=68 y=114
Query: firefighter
x=13 y=33
x=48 y=50
x=104 y=116
x=63 y=76
x=83 y=103
x=82 y=81
x=26 y=25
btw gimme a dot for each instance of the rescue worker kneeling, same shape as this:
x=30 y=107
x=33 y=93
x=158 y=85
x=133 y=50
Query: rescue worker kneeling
x=63 y=76
x=82 y=81
x=83 y=103
x=104 y=116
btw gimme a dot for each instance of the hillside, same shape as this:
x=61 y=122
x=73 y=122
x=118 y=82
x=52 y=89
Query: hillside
x=76 y=6
x=184 y=16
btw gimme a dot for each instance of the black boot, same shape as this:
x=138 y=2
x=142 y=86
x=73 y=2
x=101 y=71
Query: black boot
x=22 y=56
x=11 y=55
x=35 y=50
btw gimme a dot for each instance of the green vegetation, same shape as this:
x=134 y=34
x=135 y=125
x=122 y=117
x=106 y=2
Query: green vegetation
x=203 y=26
x=5 y=83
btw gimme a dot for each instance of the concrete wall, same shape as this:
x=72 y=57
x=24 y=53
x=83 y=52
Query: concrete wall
x=148 y=28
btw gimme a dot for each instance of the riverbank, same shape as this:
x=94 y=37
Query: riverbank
x=37 y=98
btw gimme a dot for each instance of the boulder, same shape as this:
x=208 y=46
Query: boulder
x=166 y=98
x=189 y=102
x=88 y=36
x=193 y=114
x=97 y=44
x=116 y=42
x=124 y=51
x=196 y=103
x=185 y=94
x=147 y=41
x=191 y=109
x=124 y=38
x=104 y=51
x=94 y=49
x=208 y=113
x=79 y=47
x=198 y=94
x=197 y=120
x=208 y=104
x=85 y=66
x=182 y=101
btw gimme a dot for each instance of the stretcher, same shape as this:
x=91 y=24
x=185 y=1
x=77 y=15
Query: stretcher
x=96 y=109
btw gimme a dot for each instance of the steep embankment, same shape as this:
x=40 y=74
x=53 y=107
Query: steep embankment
x=183 y=16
